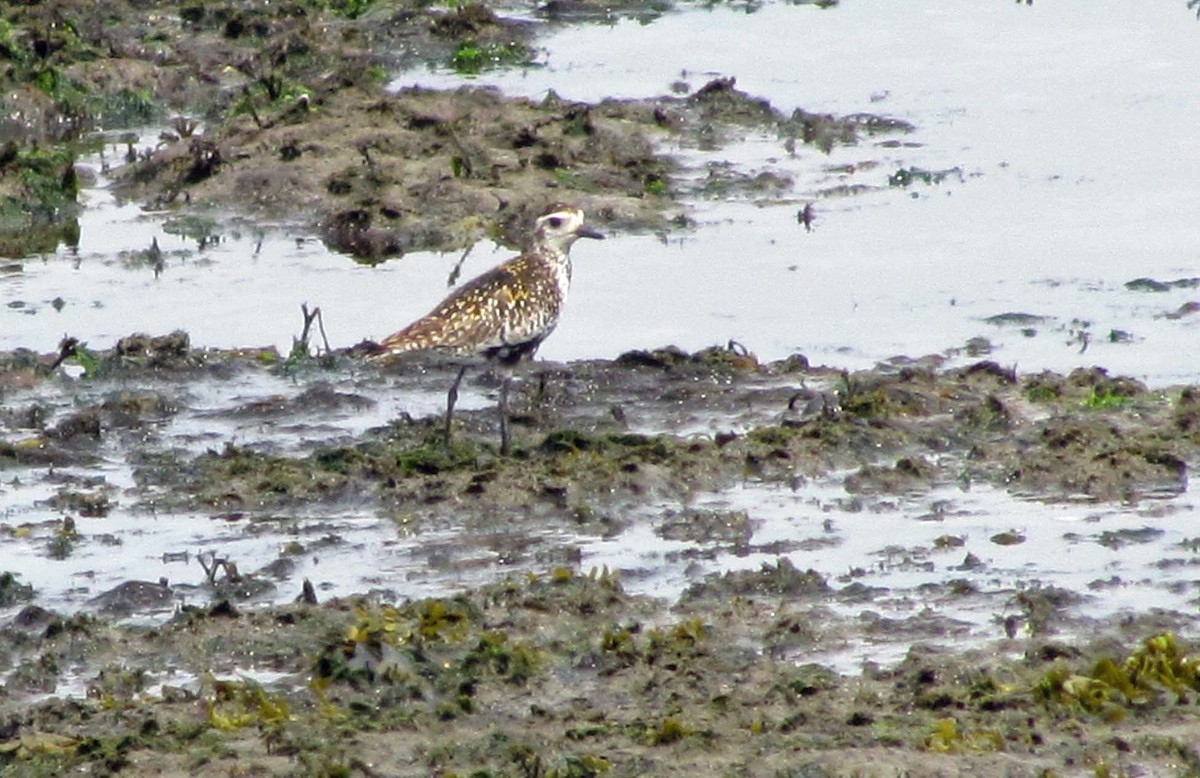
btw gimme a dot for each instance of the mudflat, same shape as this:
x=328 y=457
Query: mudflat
x=501 y=650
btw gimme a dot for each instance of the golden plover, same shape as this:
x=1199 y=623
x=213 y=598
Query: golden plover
x=504 y=314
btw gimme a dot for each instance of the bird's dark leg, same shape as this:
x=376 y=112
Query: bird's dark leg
x=451 y=398
x=540 y=396
x=504 y=413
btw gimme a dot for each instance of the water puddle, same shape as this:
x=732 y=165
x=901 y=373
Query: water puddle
x=962 y=554
x=956 y=557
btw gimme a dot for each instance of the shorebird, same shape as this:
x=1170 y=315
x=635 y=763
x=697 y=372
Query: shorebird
x=503 y=315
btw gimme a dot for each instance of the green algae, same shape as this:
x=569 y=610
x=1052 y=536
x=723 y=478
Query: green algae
x=12 y=591
x=478 y=684
x=38 y=190
x=1160 y=672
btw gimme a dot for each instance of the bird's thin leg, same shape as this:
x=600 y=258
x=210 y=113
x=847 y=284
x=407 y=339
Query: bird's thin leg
x=451 y=398
x=504 y=413
x=540 y=396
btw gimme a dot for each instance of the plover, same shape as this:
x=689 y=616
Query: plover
x=503 y=315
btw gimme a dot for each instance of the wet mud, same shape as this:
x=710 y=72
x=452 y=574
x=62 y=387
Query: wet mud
x=501 y=652
x=559 y=670
x=283 y=114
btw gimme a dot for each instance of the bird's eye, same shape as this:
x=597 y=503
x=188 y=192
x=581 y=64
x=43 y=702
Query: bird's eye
x=555 y=221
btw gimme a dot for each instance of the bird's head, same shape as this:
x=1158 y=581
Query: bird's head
x=561 y=227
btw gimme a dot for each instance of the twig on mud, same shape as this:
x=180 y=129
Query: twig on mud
x=66 y=350
x=212 y=563
x=309 y=316
x=250 y=106
x=184 y=126
x=1084 y=338
x=308 y=594
x=469 y=168
x=365 y=150
x=321 y=327
x=806 y=216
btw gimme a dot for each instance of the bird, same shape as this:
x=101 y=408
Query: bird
x=503 y=315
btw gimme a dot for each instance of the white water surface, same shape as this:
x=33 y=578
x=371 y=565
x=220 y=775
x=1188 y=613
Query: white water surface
x=1073 y=124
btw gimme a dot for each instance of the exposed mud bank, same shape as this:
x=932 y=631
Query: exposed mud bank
x=561 y=672
x=281 y=113
x=566 y=675
x=676 y=421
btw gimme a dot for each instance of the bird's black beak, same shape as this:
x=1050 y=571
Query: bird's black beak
x=588 y=232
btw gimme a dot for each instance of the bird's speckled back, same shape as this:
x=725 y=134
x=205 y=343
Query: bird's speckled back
x=508 y=311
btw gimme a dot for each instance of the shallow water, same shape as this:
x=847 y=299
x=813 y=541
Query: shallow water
x=1123 y=559
x=1074 y=126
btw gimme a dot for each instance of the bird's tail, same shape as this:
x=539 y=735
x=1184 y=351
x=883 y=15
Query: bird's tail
x=368 y=349
x=393 y=345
